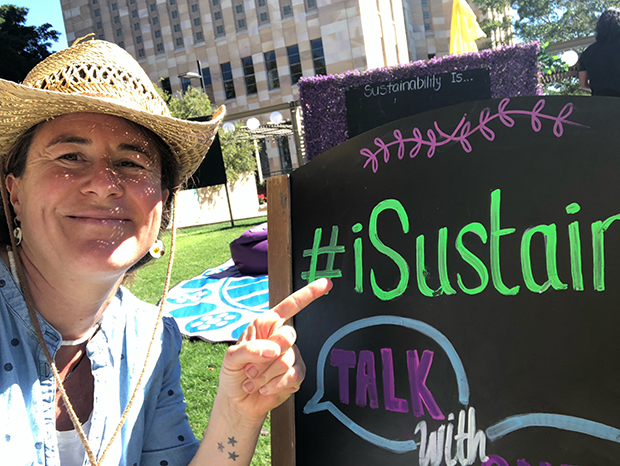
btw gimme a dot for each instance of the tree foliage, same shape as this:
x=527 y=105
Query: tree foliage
x=21 y=46
x=237 y=148
x=550 y=21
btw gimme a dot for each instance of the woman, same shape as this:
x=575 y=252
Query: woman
x=91 y=164
x=599 y=64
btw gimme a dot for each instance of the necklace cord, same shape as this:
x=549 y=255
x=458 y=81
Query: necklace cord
x=74 y=367
x=157 y=324
x=37 y=327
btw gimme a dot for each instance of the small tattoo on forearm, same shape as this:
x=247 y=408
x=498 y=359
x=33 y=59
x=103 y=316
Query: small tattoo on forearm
x=231 y=455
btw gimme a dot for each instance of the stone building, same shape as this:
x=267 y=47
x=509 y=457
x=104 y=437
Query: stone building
x=249 y=55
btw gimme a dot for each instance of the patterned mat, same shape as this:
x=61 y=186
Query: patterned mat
x=218 y=304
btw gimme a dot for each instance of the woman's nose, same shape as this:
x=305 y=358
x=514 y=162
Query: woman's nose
x=103 y=180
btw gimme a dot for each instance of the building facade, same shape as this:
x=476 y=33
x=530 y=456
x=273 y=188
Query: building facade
x=249 y=55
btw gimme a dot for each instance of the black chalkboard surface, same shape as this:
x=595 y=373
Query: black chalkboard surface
x=474 y=318
x=379 y=103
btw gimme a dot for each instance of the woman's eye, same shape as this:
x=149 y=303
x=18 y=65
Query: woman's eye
x=130 y=164
x=69 y=157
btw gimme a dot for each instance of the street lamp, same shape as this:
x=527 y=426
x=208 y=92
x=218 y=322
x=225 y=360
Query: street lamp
x=193 y=74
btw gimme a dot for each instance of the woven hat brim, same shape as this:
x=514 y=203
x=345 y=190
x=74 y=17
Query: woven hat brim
x=22 y=107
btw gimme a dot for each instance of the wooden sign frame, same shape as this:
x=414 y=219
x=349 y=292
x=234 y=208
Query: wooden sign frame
x=281 y=286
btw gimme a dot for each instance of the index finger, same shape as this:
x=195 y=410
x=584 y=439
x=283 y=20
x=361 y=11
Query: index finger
x=301 y=298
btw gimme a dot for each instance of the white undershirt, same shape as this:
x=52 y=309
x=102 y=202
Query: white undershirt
x=70 y=448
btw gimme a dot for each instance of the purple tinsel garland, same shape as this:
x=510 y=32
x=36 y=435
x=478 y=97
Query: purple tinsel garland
x=513 y=71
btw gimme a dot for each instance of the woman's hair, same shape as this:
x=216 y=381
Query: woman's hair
x=608 y=26
x=15 y=163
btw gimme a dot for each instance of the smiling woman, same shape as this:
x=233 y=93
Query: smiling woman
x=91 y=162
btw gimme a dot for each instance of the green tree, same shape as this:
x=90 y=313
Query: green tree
x=21 y=46
x=237 y=147
x=550 y=21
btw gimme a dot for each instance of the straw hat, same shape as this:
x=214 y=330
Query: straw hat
x=100 y=77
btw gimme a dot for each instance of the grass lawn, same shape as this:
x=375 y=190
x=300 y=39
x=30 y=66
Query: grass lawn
x=198 y=249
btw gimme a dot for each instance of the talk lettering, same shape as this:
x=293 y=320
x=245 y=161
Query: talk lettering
x=366 y=392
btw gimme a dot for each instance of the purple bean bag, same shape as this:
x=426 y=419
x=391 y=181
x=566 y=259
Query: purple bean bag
x=249 y=251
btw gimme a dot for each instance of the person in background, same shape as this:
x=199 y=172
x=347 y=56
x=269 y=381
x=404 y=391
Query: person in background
x=599 y=64
x=91 y=162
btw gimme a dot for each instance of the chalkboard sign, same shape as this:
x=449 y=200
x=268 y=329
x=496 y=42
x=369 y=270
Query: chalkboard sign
x=475 y=314
x=378 y=103
x=211 y=172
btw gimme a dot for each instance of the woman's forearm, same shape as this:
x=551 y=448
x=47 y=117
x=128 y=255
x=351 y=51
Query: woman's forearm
x=228 y=439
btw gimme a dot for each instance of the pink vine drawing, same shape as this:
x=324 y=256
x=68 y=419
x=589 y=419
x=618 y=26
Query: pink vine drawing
x=464 y=129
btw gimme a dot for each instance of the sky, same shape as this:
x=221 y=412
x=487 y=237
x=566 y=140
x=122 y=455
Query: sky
x=44 y=11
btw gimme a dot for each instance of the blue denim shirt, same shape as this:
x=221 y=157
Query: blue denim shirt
x=156 y=432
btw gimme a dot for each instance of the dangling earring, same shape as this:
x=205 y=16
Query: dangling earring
x=17 y=232
x=157 y=250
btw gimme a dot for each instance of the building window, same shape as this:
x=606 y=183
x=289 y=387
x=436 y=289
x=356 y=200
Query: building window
x=134 y=14
x=215 y=2
x=138 y=39
x=160 y=47
x=177 y=28
x=194 y=7
x=119 y=32
x=95 y=2
x=273 y=80
x=239 y=15
x=99 y=25
x=227 y=77
x=132 y=2
x=294 y=62
x=286 y=7
x=200 y=36
x=157 y=34
x=140 y=52
x=114 y=6
x=136 y=26
x=318 y=57
x=97 y=12
x=217 y=15
x=165 y=85
x=153 y=6
x=196 y=21
x=219 y=30
x=121 y=44
x=174 y=14
x=262 y=11
x=117 y=19
x=206 y=77
x=310 y=4
x=179 y=42
x=155 y=20
x=248 y=72
x=185 y=84
x=101 y=36
x=173 y=2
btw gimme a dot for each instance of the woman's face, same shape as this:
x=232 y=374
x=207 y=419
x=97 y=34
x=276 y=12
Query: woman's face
x=90 y=198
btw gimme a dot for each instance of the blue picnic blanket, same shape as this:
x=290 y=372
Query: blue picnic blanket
x=218 y=304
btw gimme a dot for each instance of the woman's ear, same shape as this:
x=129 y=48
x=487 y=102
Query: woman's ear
x=12 y=186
